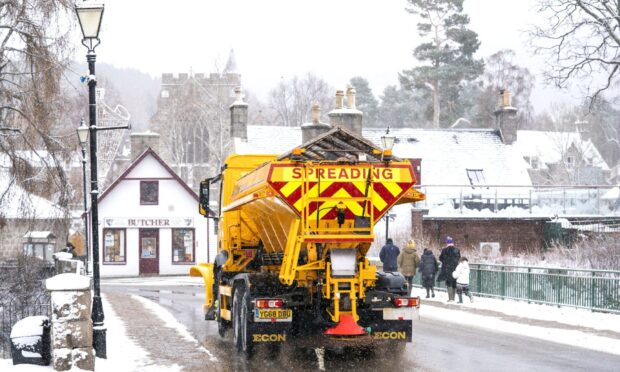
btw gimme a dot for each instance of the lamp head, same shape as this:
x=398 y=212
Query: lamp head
x=89 y=15
x=82 y=133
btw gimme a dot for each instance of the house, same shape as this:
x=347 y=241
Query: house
x=458 y=169
x=556 y=158
x=149 y=222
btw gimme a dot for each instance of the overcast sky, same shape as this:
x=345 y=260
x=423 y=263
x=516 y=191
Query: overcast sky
x=274 y=39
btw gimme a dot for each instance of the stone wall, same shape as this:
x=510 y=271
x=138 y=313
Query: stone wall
x=515 y=235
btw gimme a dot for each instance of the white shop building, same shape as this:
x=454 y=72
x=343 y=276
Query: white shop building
x=149 y=223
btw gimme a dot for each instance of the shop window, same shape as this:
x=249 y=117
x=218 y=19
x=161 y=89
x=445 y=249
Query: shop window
x=182 y=245
x=114 y=246
x=149 y=192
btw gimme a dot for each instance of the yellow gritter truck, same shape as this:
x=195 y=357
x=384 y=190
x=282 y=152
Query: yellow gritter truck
x=293 y=234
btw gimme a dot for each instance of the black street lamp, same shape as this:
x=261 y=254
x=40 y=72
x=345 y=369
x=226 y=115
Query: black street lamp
x=89 y=15
x=82 y=133
x=387 y=142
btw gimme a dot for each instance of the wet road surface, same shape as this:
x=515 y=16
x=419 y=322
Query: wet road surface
x=437 y=346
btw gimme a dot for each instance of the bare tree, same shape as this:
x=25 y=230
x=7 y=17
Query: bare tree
x=292 y=99
x=33 y=57
x=583 y=41
x=501 y=72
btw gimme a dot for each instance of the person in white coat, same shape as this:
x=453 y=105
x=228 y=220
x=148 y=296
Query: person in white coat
x=461 y=274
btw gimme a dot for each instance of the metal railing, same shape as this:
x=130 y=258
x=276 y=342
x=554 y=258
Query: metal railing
x=555 y=199
x=596 y=290
x=14 y=308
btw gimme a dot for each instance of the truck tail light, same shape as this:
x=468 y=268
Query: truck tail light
x=407 y=302
x=265 y=303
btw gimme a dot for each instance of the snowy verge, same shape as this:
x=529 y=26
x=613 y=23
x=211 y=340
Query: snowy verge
x=160 y=281
x=563 y=315
x=564 y=335
x=170 y=321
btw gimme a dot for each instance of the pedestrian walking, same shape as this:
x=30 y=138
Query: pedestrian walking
x=428 y=269
x=461 y=275
x=389 y=256
x=449 y=258
x=408 y=262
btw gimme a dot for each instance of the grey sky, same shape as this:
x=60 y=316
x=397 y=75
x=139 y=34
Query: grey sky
x=276 y=39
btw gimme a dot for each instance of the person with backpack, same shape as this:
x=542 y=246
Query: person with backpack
x=389 y=256
x=449 y=258
x=428 y=269
x=408 y=261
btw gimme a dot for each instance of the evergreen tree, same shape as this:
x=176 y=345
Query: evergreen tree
x=401 y=108
x=365 y=100
x=447 y=53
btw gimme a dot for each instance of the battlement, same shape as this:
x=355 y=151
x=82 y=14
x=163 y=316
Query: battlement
x=212 y=79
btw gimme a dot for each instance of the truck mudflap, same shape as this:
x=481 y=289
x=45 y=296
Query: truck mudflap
x=391 y=330
x=268 y=333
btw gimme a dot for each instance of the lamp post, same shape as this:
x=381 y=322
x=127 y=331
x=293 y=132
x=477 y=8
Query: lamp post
x=82 y=133
x=89 y=15
x=387 y=142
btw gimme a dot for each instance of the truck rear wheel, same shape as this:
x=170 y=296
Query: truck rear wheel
x=236 y=316
x=247 y=344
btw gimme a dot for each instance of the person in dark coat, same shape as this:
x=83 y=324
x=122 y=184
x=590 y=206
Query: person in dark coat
x=449 y=258
x=428 y=269
x=389 y=256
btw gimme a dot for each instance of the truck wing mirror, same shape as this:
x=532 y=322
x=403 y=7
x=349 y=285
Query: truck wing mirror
x=204 y=198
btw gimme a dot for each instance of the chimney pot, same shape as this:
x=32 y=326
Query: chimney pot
x=339 y=99
x=351 y=97
x=316 y=113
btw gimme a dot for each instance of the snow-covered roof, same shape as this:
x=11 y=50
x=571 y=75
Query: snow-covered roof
x=447 y=154
x=550 y=147
x=265 y=139
x=17 y=203
x=39 y=235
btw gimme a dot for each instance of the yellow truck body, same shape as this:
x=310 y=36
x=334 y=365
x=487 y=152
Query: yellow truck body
x=295 y=230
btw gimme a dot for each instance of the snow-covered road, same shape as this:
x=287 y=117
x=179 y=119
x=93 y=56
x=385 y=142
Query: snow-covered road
x=487 y=335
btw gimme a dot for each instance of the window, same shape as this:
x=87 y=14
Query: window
x=149 y=192
x=476 y=177
x=182 y=245
x=534 y=162
x=114 y=246
x=165 y=94
x=570 y=162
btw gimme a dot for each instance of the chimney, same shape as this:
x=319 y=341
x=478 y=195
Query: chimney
x=349 y=117
x=581 y=127
x=505 y=117
x=239 y=117
x=141 y=141
x=310 y=131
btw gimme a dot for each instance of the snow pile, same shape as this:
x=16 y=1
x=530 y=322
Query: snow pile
x=63 y=255
x=68 y=282
x=30 y=326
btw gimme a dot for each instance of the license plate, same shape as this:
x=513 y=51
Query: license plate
x=269 y=315
x=403 y=313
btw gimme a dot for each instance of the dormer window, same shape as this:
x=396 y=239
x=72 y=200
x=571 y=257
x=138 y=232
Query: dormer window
x=570 y=162
x=534 y=162
x=476 y=177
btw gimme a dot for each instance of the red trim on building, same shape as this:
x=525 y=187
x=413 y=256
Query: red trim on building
x=146 y=152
